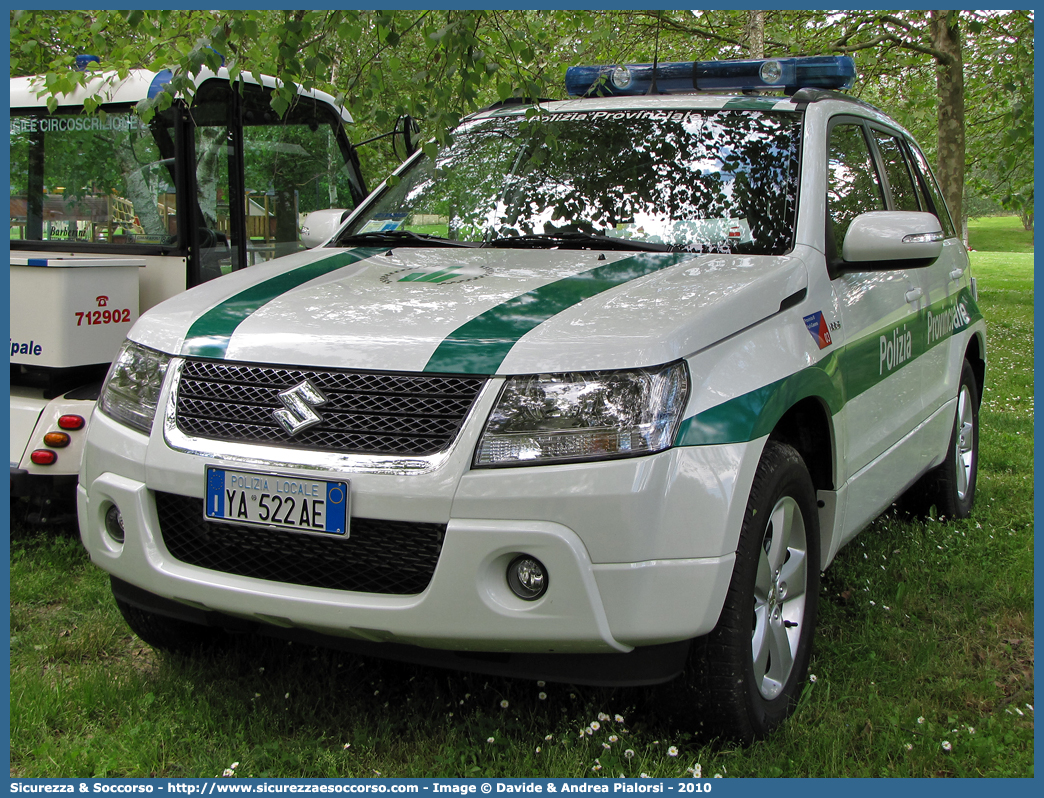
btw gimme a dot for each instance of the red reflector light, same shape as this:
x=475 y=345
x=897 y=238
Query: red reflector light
x=44 y=457
x=71 y=422
x=57 y=440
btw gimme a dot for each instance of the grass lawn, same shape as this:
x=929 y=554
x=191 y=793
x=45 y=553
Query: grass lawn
x=923 y=663
x=999 y=234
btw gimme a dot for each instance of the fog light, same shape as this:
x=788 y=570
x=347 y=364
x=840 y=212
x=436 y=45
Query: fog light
x=114 y=523
x=43 y=457
x=527 y=577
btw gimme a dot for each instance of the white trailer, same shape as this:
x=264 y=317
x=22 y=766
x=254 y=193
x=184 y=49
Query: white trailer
x=111 y=215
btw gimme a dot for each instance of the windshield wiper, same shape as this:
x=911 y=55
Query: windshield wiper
x=400 y=238
x=577 y=241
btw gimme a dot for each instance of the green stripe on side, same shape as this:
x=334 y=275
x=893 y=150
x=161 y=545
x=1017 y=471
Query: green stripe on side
x=480 y=345
x=210 y=333
x=754 y=414
x=837 y=378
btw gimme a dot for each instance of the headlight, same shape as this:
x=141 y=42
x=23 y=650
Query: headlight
x=132 y=389
x=557 y=418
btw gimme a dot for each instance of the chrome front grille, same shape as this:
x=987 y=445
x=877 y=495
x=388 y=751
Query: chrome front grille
x=372 y=413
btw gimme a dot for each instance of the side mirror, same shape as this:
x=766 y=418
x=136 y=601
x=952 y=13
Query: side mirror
x=881 y=240
x=318 y=226
x=410 y=128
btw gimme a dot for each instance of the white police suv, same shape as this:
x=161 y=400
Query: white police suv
x=593 y=395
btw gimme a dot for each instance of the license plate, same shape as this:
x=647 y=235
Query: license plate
x=304 y=505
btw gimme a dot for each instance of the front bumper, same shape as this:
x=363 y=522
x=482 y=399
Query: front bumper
x=639 y=551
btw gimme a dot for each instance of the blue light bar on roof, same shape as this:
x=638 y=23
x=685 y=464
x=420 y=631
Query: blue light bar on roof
x=630 y=79
x=779 y=74
x=788 y=74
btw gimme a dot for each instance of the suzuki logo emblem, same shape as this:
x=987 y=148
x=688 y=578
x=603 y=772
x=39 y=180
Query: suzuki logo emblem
x=299 y=402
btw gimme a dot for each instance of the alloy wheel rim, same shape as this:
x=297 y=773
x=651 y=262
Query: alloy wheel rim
x=964 y=452
x=779 y=597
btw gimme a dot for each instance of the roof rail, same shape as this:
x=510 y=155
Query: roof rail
x=812 y=95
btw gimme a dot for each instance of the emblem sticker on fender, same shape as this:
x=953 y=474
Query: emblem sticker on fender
x=817 y=327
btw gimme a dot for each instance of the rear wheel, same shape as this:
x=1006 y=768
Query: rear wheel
x=950 y=487
x=170 y=634
x=754 y=663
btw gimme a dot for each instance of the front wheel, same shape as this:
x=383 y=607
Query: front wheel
x=754 y=662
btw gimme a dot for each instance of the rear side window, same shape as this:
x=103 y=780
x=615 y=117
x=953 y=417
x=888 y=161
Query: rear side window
x=930 y=192
x=897 y=170
x=853 y=186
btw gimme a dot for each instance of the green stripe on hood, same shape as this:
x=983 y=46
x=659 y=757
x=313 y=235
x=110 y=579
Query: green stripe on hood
x=480 y=345
x=210 y=333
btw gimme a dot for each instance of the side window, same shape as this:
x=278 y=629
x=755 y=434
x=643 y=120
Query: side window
x=897 y=170
x=91 y=179
x=852 y=183
x=930 y=188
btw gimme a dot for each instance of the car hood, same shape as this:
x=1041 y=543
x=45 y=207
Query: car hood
x=479 y=311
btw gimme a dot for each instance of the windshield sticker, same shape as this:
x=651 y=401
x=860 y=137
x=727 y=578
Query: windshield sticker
x=659 y=116
x=379 y=226
x=817 y=326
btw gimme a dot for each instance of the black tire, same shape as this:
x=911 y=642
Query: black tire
x=171 y=635
x=753 y=665
x=950 y=487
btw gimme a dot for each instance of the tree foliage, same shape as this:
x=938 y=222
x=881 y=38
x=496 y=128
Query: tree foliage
x=437 y=66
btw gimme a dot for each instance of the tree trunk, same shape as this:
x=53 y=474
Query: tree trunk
x=949 y=78
x=756 y=33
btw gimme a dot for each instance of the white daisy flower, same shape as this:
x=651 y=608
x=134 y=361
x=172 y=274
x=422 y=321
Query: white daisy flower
x=628 y=754
x=672 y=751
x=946 y=745
x=504 y=704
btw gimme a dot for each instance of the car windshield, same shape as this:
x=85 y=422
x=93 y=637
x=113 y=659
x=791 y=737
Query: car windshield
x=715 y=180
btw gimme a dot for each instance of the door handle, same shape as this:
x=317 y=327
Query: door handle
x=956 y=274
x=914 y=294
